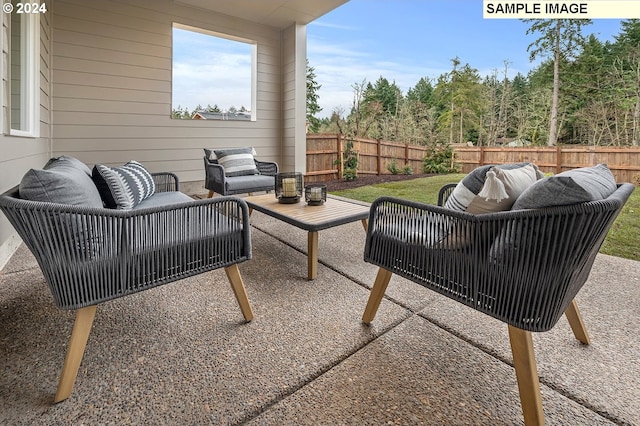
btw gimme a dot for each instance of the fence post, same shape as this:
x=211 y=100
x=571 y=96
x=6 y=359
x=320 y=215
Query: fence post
x=558 y=159
x=406 y=153
x=340 y=163
x=481 y=159
x=379 y=155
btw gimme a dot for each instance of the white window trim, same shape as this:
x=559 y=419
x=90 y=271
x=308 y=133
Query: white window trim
x=254 y=61
x=30 y=81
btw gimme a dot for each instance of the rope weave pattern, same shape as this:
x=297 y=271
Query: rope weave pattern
x=521 y=267
x=91 y=255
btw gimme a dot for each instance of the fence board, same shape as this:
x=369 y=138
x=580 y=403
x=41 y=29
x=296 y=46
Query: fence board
x=624 y=163
x=323 y=151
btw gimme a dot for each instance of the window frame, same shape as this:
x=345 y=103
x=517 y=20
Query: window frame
x=254 y=63
x=29 y=78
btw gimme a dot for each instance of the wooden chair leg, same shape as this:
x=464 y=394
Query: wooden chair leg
x=210 y=194
x=524 y=361
x=576 y=323
x=75 y=351
x=377 y=292
x=312 y=255
x=235 y=279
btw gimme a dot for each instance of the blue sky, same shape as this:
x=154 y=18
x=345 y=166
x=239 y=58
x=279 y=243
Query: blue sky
x=210 y=70
x=400 y=40
x=404 y=40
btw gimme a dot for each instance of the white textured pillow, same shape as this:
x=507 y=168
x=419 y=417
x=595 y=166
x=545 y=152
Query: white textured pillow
x=490 y=189
x=123 y=187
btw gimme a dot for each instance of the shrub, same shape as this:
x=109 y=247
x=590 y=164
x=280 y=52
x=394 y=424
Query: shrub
x=407 y=170
x=393 y=167
x=350 y=162
x=350 y=174
x=439 y=160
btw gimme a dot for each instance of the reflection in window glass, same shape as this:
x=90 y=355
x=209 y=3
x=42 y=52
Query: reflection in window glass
x=212 y=76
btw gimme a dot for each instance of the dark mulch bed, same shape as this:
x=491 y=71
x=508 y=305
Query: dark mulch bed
x=364 y=180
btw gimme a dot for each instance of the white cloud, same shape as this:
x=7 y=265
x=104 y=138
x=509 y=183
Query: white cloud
x=208 y=70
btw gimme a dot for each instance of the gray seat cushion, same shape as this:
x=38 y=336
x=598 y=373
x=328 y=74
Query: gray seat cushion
x=160 y=199
x=250 y=183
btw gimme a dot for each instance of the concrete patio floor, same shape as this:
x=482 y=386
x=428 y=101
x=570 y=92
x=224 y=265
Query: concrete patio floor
x=181 y=354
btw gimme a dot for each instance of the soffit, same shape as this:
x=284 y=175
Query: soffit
x=275 y=13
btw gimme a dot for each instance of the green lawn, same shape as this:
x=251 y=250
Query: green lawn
x=622 y=240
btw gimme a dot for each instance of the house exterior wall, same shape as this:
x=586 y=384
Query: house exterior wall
x=112 y=86
x=19 y=154
x=105 y=91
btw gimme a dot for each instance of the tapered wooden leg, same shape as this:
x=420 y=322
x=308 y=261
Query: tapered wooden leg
x=365 y=223
x=524 y=361
x=210 y=194
x=576 y=323
x=75 y=351
x=235 y=279
x=377 y=292
x=312 y=255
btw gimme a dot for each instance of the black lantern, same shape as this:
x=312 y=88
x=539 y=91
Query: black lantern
x=289 y=187
x=315 y=194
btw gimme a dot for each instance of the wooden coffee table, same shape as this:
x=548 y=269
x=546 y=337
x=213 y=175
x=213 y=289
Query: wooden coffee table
x=334 y=212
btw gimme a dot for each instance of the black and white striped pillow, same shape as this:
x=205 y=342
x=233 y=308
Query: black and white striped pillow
x=237 y=161
x=123 y=187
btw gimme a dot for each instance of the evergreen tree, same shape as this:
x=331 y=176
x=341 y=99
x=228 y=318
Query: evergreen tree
x=312 y=100
x=421 y=92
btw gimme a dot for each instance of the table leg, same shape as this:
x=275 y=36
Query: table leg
x=312 y=255
x=365 y=224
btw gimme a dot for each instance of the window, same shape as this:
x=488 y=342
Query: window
x=24 y=72
x=213 y=75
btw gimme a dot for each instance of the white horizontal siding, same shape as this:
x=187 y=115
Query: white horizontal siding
x=112 y=86
x=19 y=154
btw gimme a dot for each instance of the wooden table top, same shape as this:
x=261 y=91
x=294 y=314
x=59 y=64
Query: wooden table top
x=333 y=212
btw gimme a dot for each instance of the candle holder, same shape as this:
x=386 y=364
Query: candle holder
x=315 y=194
x=288 y=187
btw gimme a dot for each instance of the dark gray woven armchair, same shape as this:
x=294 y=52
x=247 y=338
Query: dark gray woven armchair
x=92 y=255
x=216 y=181
x=522 y=267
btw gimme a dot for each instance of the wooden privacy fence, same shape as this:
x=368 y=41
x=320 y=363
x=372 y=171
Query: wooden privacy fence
x=324 y=151
x=624 y=163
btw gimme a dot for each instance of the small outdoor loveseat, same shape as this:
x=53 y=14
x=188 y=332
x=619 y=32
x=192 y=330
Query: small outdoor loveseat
x=522 y=263
x=148 y=234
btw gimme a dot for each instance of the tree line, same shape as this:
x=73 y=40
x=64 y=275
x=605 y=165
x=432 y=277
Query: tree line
x=181 y=112
x=585 y=91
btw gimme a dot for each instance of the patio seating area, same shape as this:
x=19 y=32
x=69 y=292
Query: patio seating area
x=182 y=354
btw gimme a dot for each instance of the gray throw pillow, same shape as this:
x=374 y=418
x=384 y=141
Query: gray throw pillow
x=71 y=161
x=62 y=181
x=570 y=187
x=123 y=187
